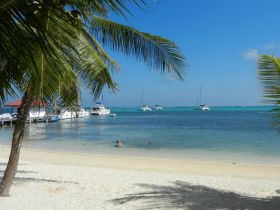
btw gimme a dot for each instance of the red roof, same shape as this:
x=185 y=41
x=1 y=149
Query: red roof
x=18 y=103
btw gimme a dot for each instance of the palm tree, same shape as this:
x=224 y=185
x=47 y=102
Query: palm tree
x=269 y=75
x=51 y=46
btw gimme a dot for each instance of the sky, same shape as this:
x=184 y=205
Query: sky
x=221 y=41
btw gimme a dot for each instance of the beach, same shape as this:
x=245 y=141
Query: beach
x=50 y=180
x=191 y=121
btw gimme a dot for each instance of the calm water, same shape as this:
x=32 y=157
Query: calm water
x=243 y=134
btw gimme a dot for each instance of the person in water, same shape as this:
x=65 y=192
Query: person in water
x=119 y=143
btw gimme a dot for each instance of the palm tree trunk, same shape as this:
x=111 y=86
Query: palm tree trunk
x=27 y=99
x=11 y=168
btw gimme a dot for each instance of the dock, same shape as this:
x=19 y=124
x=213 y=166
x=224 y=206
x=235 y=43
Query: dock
x=7 y=121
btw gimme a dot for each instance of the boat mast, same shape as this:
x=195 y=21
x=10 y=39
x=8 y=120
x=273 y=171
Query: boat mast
x=142 y=95
x=200 y=93
x=198 y=102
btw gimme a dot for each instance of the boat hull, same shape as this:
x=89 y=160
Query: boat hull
x=107 y=112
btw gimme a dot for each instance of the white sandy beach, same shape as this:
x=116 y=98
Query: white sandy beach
x=48 y=180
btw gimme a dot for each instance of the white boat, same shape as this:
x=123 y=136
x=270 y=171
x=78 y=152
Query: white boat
x=6 y=116
x=37 y=113
x=99 y=109
x=82 y=113
x=199 y=105
x=65 y=114
x=145 y=108
x=204 y=107
x=158 y=107
x=51 y=118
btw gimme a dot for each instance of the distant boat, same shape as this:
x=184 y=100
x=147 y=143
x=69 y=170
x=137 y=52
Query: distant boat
x=65 y=114
x=204 y=107
x=52 y=118
x=6 y=116
x=99 y=109
x=158 y=107
x=82 y=113
x=143 y=107
x=199 y=105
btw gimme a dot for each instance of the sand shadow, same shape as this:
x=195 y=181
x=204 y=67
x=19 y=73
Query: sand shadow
x=20 y=172
x=23 y=180
x=182 y=195
x=30 y=179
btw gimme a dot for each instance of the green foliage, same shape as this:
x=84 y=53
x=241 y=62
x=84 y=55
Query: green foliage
x=54 y=46
x=269 y=75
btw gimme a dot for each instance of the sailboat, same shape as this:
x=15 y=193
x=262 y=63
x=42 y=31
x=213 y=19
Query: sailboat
x=143 y=107
x=199 y=105
x=157 y=106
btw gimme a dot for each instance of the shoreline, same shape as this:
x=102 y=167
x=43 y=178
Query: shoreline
x=228 y=160
x=181 y=166
x=141 y=157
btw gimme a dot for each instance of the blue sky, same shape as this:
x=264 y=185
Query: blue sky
x=221 y=41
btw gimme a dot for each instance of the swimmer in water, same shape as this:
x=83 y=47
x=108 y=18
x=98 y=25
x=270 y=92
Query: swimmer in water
x=119 y=144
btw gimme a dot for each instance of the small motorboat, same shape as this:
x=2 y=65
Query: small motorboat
x=99 y=109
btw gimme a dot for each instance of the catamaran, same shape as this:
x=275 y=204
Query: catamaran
x=199 y=106
x=144 y=108
x=158 y=107
x=204 y=107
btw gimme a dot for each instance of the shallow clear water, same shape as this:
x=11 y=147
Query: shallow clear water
x=225 y=133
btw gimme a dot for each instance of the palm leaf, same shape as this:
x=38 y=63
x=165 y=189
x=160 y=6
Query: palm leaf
x=269 y=75
x=157 y=52
x=111 y=64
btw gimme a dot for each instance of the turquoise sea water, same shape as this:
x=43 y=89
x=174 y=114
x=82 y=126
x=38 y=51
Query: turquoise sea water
x=238 y=134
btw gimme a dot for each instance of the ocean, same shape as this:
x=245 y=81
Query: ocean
x=228 y=134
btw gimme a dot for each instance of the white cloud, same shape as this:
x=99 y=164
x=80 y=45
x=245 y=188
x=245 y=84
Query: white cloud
x=269 y=46
x=251 y=54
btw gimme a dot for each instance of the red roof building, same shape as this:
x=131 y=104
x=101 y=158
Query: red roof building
x=17 y=103
x=37 y=104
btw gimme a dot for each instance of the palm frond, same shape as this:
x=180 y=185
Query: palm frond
x=157 y=52
x=93 y=71
x=269 y=75
x=111 y=64
x=103 y=7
